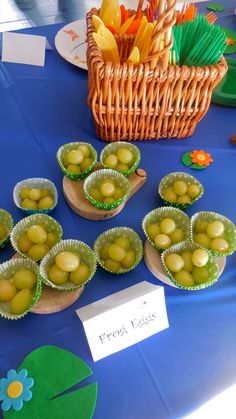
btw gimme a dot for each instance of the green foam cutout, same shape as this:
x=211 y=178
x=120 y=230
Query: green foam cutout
x=186 y=159
x=216 y=7
x=195 y=166
x=55 y=370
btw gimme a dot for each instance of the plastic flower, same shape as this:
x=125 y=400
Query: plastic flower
x=14 y=390
x=201 y=158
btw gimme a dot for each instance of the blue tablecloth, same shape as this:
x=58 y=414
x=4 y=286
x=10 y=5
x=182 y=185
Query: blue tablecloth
x=175 y=371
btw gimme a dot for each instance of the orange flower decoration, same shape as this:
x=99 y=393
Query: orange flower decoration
x=230 y=41
x=201 y=158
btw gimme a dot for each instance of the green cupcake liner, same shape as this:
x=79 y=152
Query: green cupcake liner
x=157 y=215
x=211 y=265
x=229 y=233
x=109 y=236
x=167 y=181
x=75 y=246
x=112 y=148
x=20 y=229
x=7 y=220
x=66 y=148
x=7 y=270
x=94 y=180
x=38 y=183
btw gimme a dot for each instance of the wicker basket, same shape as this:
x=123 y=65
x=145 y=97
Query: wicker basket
x=150 y=100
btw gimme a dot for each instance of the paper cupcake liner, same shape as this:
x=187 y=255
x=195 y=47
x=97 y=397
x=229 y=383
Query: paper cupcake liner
x=75 y=246
x=20 y=229
x=113 y=148
x=167 y=181
x=188 y=245
x=7 y=271
x=229 y=232
x=35 y=183
x=66 y=148
x=109 y=236
x=7 y=220
x=94 y=180
x=156 y=215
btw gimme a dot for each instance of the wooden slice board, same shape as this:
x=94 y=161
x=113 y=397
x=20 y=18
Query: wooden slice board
x=52 y=300
x=74 y=194
x=153 y=263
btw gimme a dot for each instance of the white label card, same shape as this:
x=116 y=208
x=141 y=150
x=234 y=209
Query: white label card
x=23 y=48
x=124 y=318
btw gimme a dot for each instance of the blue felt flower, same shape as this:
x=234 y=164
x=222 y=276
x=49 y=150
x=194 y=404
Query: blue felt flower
x=15 y=389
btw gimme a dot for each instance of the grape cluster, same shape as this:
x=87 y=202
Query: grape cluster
x=78 y=160
x=165 y=233
x=68 y=266
x=118 y=255
x=37 y=241
x=35 y=198
x=121 y=161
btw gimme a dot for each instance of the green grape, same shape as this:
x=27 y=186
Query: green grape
x=44 y=227
x=174 y=262
x=67 y=261
x=56 y=275
x=124 y=155
x=65 y=162
x=24 y=192
x=219 y=245
x=36 y=234
x=81 y=275
x=167 y=226
x=107 y=189
x=73 y=169
x=203 y=240
x=112 y=265
x=104 y=252
x=121 y=167
x=123 y=242
x=180 y=187
x=119 y=193
x=177 y=236
x=24 y=278
x=38 y=251
x=169 y=195
x=75 y=157
x=162 y=241
x=34 y=194
x=85 y=164
x=21 y=302
x=183 y=199
x=200 y=257
x=184 y=278
x=84 y=149
x=201 y=226
x=29 y=204
x=108 y=200
x=200 y=274
x=46 y=202
x=193 y=191
x=24 y=244
x=96 y=194
x=116 y=253
x=7 y=290
x=187 y=258
x=153 y=230
x=51 y=239
x=111 y=161
x=215 y=229
x=46 y=193
x=3 y=232
x=129 y=259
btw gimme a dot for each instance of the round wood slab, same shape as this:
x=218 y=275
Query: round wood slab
x=153 y=263
x=52 y=300
x=74 y=194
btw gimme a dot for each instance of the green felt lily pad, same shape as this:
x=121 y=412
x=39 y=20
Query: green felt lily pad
x=231 y=49
x=216 y=7
x=195 y=166
x=54 y=371
x=186 y=159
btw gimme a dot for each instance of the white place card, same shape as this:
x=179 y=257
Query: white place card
x=124 y=318
x=23 y=48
